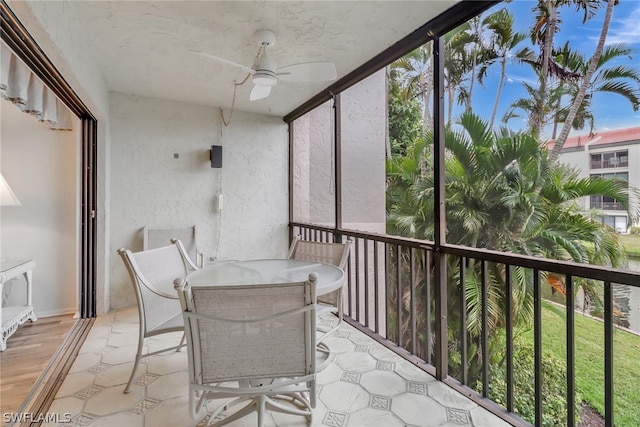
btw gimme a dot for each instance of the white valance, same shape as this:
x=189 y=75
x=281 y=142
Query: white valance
x=20 y=86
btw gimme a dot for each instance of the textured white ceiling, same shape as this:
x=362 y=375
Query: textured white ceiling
x=143 y=46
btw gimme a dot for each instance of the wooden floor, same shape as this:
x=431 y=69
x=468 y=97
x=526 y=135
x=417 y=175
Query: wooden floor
x=28 y=352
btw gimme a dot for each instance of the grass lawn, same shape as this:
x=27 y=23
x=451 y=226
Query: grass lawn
x=589 y=363
x=631 y=243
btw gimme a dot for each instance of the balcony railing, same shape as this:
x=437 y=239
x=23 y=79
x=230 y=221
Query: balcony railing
x=607 y=206
x=396 y=293
x=621 y=162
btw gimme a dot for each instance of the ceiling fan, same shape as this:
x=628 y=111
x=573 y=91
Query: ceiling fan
x=265 y=74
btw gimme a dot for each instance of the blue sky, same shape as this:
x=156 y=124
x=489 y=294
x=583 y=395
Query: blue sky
x=611 y=111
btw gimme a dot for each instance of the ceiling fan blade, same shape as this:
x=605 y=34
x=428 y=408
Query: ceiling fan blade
x=225 y=61
x=259 y=92
x=308 y=71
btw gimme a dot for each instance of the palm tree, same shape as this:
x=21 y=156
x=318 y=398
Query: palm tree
x=537 y=108
x=414 y=73
x=460 y=56
x=503 y=41
x=586 y=83
x=478 y=52
x=546 y=25
x=569 y=60
x=618 y=79
x=503 y=193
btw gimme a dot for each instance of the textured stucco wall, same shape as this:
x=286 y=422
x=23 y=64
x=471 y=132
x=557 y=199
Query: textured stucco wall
x=151 y=187
x=41 y=166
x=363 y=123
x=314 y=168
x=364 y=108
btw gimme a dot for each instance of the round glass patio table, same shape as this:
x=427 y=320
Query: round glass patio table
x=268 y=271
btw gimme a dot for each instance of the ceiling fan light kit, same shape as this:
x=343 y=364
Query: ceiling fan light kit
x=266 y=74
x=264 y=79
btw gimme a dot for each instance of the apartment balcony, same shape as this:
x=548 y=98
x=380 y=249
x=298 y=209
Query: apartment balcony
x=616 y=162
x=407 y=295
x=365 y=384
x=392 y=359
x=607 y=206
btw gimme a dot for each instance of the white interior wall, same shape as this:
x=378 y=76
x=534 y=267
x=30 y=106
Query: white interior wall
x=149 y=186
x=41 y=167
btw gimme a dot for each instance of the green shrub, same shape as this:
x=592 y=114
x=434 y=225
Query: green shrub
x=634 y=230
x=554 y=380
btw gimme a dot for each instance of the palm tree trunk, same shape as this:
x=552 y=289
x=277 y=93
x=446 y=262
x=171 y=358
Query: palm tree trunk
x=566 y=128
x=476 y=23
x=498 y=92
x=387 y=139
x=554 y=132
x=547 y=46
x=452 y=95
x=473 y=78
x=427 y=83
x=555 y=129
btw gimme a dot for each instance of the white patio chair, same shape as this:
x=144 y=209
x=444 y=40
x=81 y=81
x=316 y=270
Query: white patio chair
x=254 y=344
x=158 y=237
x=153 y=273
x=331 y=253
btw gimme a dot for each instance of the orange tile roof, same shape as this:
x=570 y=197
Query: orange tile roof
x=601 y=138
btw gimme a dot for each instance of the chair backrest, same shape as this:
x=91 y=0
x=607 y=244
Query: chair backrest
x=246 y=332
x=153 y=273
x=330 y=253
x=158 y=237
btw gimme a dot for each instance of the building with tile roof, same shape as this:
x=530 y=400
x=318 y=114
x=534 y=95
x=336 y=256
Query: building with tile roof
x=610 y=154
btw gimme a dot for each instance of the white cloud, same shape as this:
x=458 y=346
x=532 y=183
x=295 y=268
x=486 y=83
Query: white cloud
x=625 y=29
x=515 y=78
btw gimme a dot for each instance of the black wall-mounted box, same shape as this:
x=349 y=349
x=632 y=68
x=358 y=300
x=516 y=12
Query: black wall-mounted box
x=216 y=156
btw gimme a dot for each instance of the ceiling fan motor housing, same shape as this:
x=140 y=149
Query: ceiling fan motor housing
x=265 y=37
x=265 y=71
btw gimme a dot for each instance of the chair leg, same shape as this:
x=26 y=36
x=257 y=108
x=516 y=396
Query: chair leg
x=182 y=341
x=196 y=403
x=340 y=307
x=249 y=408
x=321 y=346
x=340 y=313
x=273 y=405
x=135 y=364
x=323 y=361
x=261 y=403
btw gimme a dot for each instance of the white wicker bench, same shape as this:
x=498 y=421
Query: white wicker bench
x=15 y=315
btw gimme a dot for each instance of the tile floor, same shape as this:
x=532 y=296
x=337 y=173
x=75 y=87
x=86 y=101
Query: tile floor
x=364 y=385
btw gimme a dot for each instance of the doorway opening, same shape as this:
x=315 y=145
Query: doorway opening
x=81 y=199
